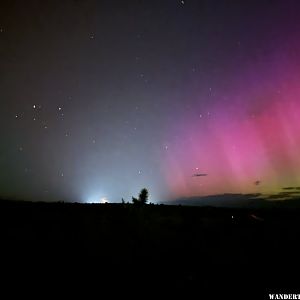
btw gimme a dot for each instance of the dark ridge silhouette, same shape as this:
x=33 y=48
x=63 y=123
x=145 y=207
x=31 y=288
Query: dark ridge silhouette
x=258 y=200
x=224 y=200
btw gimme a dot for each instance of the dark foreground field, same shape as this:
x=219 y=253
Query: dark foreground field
x=181 y=249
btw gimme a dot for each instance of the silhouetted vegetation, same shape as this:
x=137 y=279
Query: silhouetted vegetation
x=143 y=196
x=135 y=200
x=142 y=199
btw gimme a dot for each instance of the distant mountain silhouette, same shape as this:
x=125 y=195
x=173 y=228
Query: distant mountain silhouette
x=282 y=199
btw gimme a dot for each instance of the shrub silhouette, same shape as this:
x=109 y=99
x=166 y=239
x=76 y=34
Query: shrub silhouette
x=135 y=200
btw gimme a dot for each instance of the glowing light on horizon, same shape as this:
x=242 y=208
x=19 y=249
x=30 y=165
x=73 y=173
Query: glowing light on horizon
x=104 y=200
x=97 y=199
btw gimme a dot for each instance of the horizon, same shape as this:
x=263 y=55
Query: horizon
x=288 y=197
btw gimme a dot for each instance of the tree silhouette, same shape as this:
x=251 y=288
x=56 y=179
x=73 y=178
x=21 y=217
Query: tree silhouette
x=143 y=197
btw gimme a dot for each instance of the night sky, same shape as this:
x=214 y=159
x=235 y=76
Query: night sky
x=102 y=98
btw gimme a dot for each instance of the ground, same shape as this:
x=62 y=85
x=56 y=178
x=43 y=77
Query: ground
x=202 y=249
